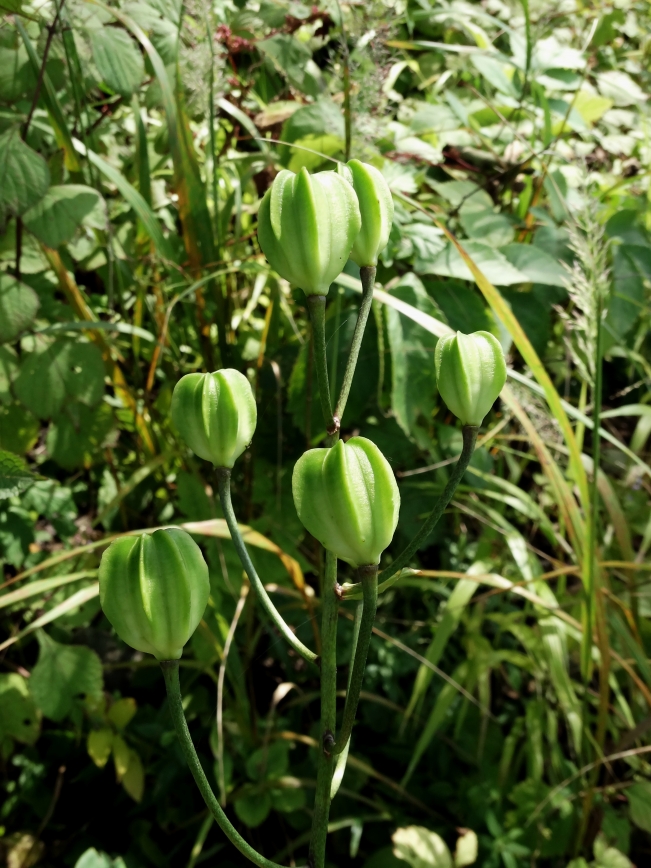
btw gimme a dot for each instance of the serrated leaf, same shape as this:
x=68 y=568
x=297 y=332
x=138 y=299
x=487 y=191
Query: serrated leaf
x=24 y=176
x=118 y=60
x=15 y=476
x=19 y=717
x=55 y=219
x=65 y=675
x=64 y=370
x=18 y=306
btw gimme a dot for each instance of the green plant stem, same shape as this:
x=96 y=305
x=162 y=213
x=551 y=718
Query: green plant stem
x=469 y=440
x=368 y=577
x=224 y=484
x=329 y=606
x=316 y=305
x=342 y=758
x=367 y=276
x=594 y=593
x=175 y=703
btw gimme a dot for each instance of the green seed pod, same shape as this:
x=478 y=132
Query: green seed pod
x=154 y=588
x=306 y=227
x=215 y=414
x=347 y=497
x=376 y=209
x=470 y=373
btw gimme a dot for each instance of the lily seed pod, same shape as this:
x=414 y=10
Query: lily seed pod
x=215 y=414
x=306 y=227
x=154 y=588
x=376 y=209
x=470 y=373
x=347 y=497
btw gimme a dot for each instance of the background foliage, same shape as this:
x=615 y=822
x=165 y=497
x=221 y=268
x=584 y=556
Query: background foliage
x=507 y=700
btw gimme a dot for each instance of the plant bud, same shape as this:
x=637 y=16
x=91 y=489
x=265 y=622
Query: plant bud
x=215 y=414
x=153 y=589
x=306 y=227
x=375 y=207
x=470 y=373
x=347 y=497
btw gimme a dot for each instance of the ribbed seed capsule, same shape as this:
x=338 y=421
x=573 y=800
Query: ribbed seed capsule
x=470 y=374
x=376 y=210
x=347 y=497
x=306 y=227
x=215 y=414
x=154 y=589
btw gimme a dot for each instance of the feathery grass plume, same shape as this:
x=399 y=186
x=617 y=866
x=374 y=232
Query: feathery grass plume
x=588 y=286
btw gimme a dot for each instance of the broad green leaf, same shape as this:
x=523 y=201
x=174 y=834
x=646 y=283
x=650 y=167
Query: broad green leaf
x=62 y=371
x=533 y=314
x=639 y=800
x=8 y=371
x=253 y=809
x=134 y=199
x=55 y=219
x=54 y=110
x=462 y=305
x=118 y=60
x=288 y=799
x=486 y=224
x=290 y=58
x=15 y=476
x=18 y=306
x=24 y=176
x=78 y=433
x=93 y=858
x=323 y=118
x=496 y=72
x=271 y=761
x=591 y=106
x=536 y=264
x=19 y=716
x=18 y=428
x=495 y=266
x=618 y=86
x=421 y=848
x=65 y=675
x=631 y=269
x=16 y=74
x=413 y=378
x=459 y=193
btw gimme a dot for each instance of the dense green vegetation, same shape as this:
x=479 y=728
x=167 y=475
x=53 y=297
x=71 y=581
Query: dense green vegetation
x=507 y=700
